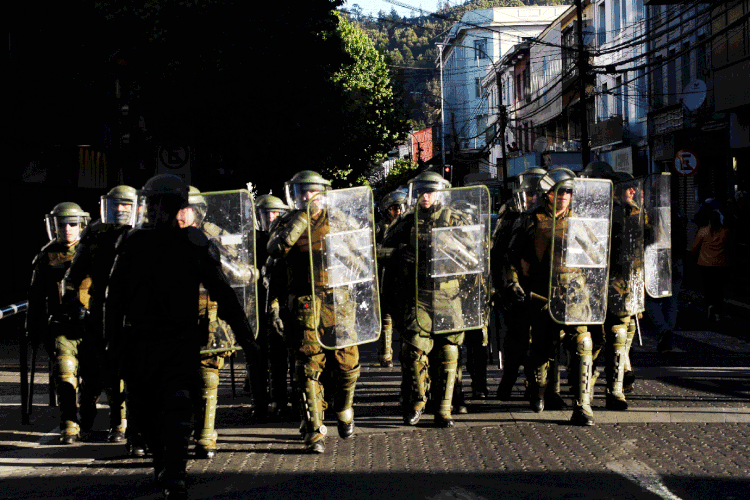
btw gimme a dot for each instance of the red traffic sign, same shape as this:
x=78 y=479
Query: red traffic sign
x=685 y=162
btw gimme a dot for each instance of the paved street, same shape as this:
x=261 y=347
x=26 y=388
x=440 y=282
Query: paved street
x=686 y=436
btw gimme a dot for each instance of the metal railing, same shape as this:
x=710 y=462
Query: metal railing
x=27 y=386
x=7 y=312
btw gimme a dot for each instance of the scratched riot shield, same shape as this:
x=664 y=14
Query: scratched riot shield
x=580 y=252
x=227 y=219
x=658 y=262
x=626 y=273
x=452 y=260
x=343 y=271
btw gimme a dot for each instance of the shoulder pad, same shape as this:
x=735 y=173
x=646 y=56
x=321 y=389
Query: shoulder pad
x=211 y=229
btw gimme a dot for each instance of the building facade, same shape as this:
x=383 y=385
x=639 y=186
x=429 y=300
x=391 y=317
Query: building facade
x=473 y=44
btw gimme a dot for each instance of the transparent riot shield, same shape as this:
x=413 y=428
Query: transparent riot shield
x=343 y=268
x=658 y=262
x=229 y=221
x=452 y=260
x=626 y=273
x=580 y=253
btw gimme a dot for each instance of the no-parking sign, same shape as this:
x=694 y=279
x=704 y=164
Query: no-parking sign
x=685 y=162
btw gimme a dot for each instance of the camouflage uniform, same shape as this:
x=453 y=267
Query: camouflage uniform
x=62 y=331
x=528 y=267
x=94 y=258
x=289 y=241
x=385 y=346
x=414 y=316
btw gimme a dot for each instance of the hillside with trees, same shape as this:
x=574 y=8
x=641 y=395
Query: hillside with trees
x=408 y=44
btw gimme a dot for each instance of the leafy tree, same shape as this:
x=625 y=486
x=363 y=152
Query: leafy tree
x=374 y=124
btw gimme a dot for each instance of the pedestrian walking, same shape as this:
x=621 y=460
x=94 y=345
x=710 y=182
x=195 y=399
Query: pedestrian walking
x=710 y=249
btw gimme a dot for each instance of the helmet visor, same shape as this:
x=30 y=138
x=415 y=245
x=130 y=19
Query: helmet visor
x=267 y=216
x=297 y=195
x=65 y=228
x=526 y=199
x=418 y=189
x=118 y=211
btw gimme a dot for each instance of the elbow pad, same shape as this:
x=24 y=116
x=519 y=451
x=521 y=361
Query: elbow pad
x=288 y=235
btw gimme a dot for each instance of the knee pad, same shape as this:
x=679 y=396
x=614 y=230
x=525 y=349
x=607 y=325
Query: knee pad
x=584 y=344
x=210 y=378
x=619 y=335
x=449 y=353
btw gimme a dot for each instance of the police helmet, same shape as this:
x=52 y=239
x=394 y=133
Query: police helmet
x=268 y=208
x=394 y=198
x=65 y=213
x=426 y=182
x=297 y=188
x=598 y=170
x=118 y=206
x=556 y=179
x=160 y=199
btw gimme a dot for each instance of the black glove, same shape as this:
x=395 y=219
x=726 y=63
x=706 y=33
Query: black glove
x=515 y=292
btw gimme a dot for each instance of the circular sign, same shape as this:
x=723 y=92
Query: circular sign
x=685 y=162
x=174 y=156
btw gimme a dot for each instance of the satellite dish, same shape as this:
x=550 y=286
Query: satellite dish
x=694 y=94
x=540 y=145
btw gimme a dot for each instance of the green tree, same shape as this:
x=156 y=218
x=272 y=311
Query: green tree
x=373 y=122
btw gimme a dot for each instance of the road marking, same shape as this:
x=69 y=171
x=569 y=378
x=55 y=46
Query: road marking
x=644 y=476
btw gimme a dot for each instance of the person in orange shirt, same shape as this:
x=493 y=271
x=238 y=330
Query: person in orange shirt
x=710 y=248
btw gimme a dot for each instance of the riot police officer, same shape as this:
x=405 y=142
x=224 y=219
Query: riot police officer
x=626 y=297
x=270 y=209
x=551 y=288
x=437 y=305
x=61 y=331
x=94 y=258
x=298 y=236
x=391 y=207
x=219 y=338
x=151 y=319
x=515 y=318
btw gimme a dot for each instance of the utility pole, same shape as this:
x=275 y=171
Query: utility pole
x=442 y=108
x=583 y=70
x=503 y=111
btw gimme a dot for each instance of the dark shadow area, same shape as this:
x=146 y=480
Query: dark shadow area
x=402 y=485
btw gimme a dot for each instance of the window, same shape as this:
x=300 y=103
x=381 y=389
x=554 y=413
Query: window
x=701 y=66
x=527 y=84
x=685 y=65
x=639 y=9
x=616 y=15
x=658 y=84
x=625 y=97
x=618 y=96
x=519 y=90
x=604 y=113
x=671 y=81
x=624 y=13
x=480 y=49
x=602 y=31
x=478 y=87
x=641 y=93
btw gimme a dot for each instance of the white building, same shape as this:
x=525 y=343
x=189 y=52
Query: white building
x=621 y=95
x=468 y=51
